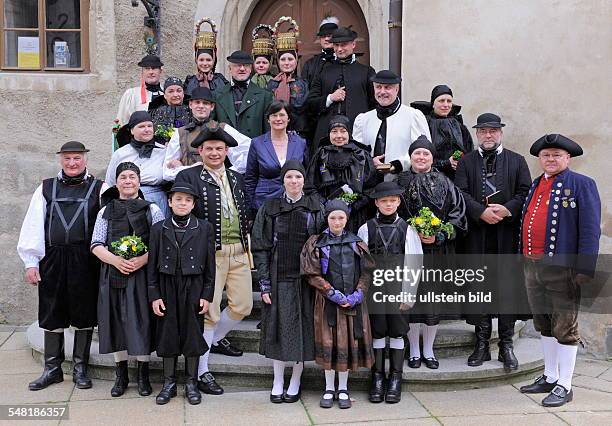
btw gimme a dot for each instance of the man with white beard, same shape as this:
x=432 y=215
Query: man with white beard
x=389 y=121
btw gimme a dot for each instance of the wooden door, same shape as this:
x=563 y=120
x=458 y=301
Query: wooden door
x=309 y=14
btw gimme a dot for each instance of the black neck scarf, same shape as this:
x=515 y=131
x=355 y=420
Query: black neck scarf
x=383 y=113
x=144 y=149
x=327 y=54
x=153 y=87
x=386 y=219
x=73 y=180
x=181 y=221
x=346 y=61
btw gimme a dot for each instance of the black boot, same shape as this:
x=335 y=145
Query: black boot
x=80 y=358
x=121 y=379
x=54 y=356
x=396 y=368
x=168 y=390
x=377 y=386
x=481 y=352
x=144 y=385
x=506 y=347
x=191 y=380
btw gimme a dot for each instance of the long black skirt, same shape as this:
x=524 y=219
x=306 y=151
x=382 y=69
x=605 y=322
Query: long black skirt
x=179 y=331
x=124 y=314
x=287 y=326
x=68 y=290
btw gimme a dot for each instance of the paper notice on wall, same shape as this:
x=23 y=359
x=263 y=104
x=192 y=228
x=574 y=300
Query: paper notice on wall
x=28 y=52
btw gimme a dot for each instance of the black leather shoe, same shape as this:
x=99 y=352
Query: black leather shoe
x=327 y=402
x=192 y=394
x=431 y=363
x=558 y=396
x=144 y=385
x=121 y=379
x=414 y=362
x=209 y=385
x=168 y=390
x=276 y=399
x=540 y=385
x=377 y=383
x=224 y=347
x=54 y=356
x=344 y=403
x=80 y=358
x=290 y=399
x=506 y=355
x=481 y=354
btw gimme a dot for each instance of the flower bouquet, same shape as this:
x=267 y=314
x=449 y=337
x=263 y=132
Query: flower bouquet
x=428 y=224
x=457 y=154
x=128 y=247
x=164 y=133
x=348 y=198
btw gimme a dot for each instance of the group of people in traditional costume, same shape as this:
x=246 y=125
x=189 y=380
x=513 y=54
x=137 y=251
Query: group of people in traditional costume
x=315 y=176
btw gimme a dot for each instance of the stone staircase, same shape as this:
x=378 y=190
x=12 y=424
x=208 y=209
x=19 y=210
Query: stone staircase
x=454 y=342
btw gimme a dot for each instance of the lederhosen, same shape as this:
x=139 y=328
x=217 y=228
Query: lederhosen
x=387 y=242
x=68 y=291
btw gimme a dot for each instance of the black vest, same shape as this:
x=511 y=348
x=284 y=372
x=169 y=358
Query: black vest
x=387 y=238
x=71 y=211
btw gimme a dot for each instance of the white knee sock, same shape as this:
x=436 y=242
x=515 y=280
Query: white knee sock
x=342 y=383
x=551 y=360
x=208 y=337
x=143 y=358
x=224 y=326
x=279 y=377
x=567 y=361
x=296 y=378
x=429 y=336
x=413 y=338
x=396 y=343
x=120 y=356
x=330 y=380
x=379 y=343
x=57 y=330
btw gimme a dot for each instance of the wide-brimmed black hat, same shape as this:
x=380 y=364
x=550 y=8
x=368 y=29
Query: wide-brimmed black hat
x=327 y=29
x=556 y=140
x=488 y=120
x=202 y=93
x=386 y=189
x=343 y=34
x=184 y=187
x=240 y=57
x=152 y=61
x=213 y=131
x=386 y=77
x=72 y=146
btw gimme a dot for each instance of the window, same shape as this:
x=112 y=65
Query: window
x=44 y=35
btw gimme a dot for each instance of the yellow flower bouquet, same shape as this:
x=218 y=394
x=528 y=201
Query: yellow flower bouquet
x=428 y=224
x=128 y=247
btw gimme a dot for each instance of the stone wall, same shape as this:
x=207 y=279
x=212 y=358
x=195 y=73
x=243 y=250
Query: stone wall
x=544 y=66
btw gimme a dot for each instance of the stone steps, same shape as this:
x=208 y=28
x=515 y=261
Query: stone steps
x=254 y=370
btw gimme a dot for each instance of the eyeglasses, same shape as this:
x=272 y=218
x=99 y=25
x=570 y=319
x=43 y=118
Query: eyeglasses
x=552 y=156
x=487 y=131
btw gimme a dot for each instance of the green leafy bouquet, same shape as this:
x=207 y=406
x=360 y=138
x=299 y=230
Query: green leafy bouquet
x=457 y=154
x=128 y=247
x=164 y=132
x=428 y=224
x=348 y=198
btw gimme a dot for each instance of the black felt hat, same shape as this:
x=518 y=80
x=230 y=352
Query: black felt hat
x=202 y=93
x=240 y=57
x=336 y=204
x=386 y=189
x=152 y=61
x=386 y=77
x=213 y=131
x=556 y=140
x=184 y=187
x=343 y=34
x=488 y=120
x=123 y=134
x=72 y=146
x=326 y=29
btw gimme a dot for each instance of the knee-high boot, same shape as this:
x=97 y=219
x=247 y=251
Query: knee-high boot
x=482 y=352
x=377 y=386
x=506 y=355
x=80 y=358
x=396 y=368
x=54 y=356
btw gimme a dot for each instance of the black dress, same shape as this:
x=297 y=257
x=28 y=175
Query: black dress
x=279 y=233
x=335 y=166
x=217 y=82
x=124 y=313
x=169 y=116
x=436 y=191
x=181 y=272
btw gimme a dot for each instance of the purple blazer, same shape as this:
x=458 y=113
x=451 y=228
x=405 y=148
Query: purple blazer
x=262 y=176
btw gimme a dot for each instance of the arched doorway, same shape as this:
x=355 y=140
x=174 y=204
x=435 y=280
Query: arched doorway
x=308 y=14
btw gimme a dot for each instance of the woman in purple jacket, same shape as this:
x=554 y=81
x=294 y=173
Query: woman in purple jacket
x=268 y=153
